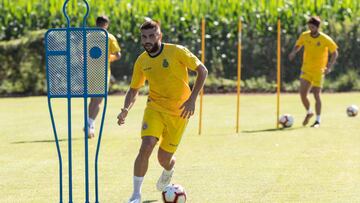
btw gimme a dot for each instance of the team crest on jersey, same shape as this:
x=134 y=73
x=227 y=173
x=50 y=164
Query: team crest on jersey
x=165 y=63
x=318 y=44
x=144 y=126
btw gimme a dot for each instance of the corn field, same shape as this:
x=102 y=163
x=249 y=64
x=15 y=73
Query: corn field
x=181 y=20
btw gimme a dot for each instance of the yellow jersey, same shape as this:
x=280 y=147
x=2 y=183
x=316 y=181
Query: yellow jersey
x=316 y=51
x=113 y=47
x=167 y=76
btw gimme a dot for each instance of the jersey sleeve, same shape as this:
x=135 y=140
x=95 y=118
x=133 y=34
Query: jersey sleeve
x=138 y=77
x=300 y=41
x=331 y=45
x=187 y=58
x=113 y=45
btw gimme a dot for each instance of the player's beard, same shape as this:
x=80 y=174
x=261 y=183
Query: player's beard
x=154 y=48
x=314 y=32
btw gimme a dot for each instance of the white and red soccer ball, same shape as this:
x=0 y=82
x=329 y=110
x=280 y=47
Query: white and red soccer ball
x=286 y=120
x=352 y=110
x=174 y=193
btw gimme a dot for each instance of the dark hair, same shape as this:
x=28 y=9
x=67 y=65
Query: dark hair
x=101 y=20
x=315 y=20
x=150 y=24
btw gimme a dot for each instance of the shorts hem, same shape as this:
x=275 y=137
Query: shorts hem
x=158 y=138
x=167 y=150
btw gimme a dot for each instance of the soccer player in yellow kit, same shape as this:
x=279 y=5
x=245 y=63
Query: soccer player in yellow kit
x=114 y=55
x=316 y=45
x=170 y=102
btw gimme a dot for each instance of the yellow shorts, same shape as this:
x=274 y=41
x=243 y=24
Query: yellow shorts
x=165 y=127
x=316 y=80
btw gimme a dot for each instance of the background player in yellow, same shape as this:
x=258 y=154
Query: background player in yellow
x=316 y=45
x=114 y=55
x=170 y=102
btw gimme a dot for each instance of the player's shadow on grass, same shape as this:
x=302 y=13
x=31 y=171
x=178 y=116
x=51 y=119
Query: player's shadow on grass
x=270 y=130
x=45 y=141
x=149 y=201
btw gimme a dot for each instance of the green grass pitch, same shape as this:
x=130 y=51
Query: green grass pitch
x=260 y=164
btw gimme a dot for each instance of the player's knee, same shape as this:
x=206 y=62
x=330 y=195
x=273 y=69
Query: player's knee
x=303 y=95
x=317 y=98
x=95 y=101
x=165 y=158
x=145 y=151
x=146 y=148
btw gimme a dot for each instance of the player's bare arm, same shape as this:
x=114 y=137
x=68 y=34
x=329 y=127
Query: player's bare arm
x=293 y=53
x=130 y=98
x=333 y=57
x=115 y=56
x=189 y=105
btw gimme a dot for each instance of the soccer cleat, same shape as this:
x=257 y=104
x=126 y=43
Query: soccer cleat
x=307 y=118
x=164 y=180
x=135 y=199
x=316 y=124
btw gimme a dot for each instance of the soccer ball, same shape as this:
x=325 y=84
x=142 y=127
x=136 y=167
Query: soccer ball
x=352 y=110
x=286 y=120
x=174 y=193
